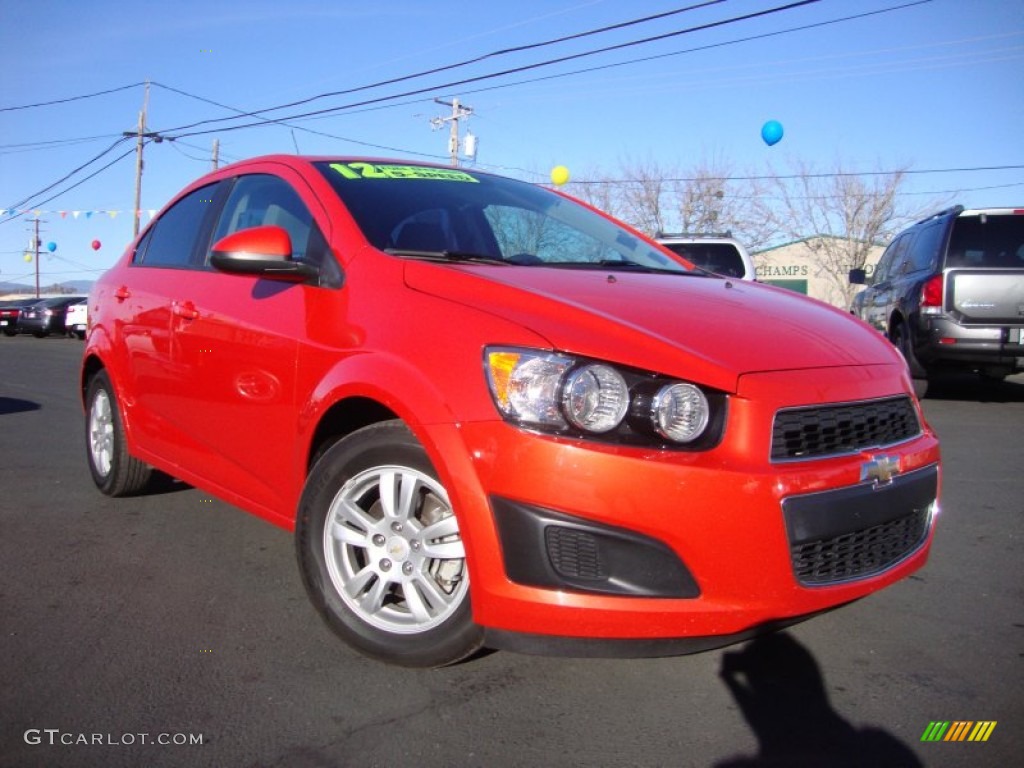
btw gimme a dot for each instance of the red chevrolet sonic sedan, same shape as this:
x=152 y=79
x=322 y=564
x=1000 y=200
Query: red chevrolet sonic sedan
x=495 y=417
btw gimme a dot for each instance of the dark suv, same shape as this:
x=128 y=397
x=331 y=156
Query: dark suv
x=949 y=293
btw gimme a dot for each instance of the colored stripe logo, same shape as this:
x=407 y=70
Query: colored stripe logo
x=958 y=730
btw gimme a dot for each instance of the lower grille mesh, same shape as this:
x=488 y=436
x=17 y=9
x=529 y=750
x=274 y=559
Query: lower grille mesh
x=573 y=554
x=859 y=553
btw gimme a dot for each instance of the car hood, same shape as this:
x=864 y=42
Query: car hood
x=701 y=328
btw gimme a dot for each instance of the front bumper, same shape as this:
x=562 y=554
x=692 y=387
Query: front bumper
x=716 y=518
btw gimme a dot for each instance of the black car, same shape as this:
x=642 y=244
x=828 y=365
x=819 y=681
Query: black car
x=10 y=309
x=46 y=316
x=949 y=293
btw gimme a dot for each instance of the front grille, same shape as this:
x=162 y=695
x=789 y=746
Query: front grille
x=831 y=430
x=859 y=553
x=573 y=553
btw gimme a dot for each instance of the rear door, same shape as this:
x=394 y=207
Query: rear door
x=140 y=311
x=880 y=295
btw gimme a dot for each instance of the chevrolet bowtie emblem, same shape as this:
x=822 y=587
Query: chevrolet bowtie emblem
x=880 y=469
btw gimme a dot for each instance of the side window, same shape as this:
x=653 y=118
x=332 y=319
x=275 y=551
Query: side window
x=173 y=239
x=925 y=249
x=262 y=200
x=898 y=265
x=892 y=256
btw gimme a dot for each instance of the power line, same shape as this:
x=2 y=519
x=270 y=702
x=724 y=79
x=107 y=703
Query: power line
x=70 y=98
x=283 y=122
x=503 y=73
x=68 y=175
x=835 y=174
x=68 y=189
x=697 y=49
x=466 y=62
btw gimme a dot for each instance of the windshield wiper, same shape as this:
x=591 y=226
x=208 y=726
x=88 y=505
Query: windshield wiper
x=459 y=256
x=616 y=264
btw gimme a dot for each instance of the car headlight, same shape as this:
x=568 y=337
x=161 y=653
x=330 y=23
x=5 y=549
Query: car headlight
x=588 y=398
x=680 y=412
x=595 y=398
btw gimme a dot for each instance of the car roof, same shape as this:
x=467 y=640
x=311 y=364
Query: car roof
x=992 y=212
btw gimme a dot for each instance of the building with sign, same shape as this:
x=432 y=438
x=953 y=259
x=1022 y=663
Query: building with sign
x=806 y=266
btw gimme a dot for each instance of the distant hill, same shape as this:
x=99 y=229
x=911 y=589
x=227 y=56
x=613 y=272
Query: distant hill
x=69 y=286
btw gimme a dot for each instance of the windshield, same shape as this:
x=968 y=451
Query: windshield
x=418 y=211
x=987 y=240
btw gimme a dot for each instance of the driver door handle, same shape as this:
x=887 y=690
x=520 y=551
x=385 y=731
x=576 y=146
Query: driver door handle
x=185 y=309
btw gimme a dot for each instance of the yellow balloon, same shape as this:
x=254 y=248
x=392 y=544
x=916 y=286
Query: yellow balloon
x=559 y=175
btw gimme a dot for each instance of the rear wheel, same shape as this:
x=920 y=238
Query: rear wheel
x=901 y=340
x=114 y=470
x=381 y=552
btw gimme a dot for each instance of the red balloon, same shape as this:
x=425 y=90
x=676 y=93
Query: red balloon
x=96 y=245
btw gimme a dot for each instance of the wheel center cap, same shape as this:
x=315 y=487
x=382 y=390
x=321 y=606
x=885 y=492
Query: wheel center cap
x=397 y=548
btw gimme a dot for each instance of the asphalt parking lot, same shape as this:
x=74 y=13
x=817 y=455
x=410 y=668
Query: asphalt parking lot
x=173 y=630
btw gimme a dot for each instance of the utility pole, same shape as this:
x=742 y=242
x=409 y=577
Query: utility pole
x=35 y=242
x=216 y=153
x=32 y=252
x=459 y=112
x=142 y=135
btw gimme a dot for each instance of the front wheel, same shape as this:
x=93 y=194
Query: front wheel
x=381 y=552
x=114 y=470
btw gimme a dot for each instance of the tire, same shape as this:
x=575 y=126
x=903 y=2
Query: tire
x=901 y=340
x=381 y=554
x=114 y=470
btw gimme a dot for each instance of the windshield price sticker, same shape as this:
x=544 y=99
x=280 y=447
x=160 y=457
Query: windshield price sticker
x=374 y=171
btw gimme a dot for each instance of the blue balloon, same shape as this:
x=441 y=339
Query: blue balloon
x=771 y=132
x=51 y=246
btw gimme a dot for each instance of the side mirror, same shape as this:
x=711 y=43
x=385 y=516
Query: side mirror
x=263 y=251
x=858 y=277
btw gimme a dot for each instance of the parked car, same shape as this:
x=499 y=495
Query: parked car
x=495 y=417
x=46 y=316
x=949 y=293
x=10 y=309
x=718 y=253
x=76 y=318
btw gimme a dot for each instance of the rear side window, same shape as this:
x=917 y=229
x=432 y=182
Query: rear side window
x=987 y=240
x=925 y=250
x=173 y=239
x=892 y=258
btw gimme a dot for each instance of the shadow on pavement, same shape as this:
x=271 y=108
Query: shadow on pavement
x=161 y=483
x=970 y=387
x=17 y=405
x=779 y=688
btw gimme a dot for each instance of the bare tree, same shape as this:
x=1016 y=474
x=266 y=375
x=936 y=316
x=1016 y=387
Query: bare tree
x=711 y=197
x=704 y=198
x=839 y=216
x=599 y=191
x=644 y=194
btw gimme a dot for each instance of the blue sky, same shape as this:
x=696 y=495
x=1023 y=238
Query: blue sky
x=935 y=86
